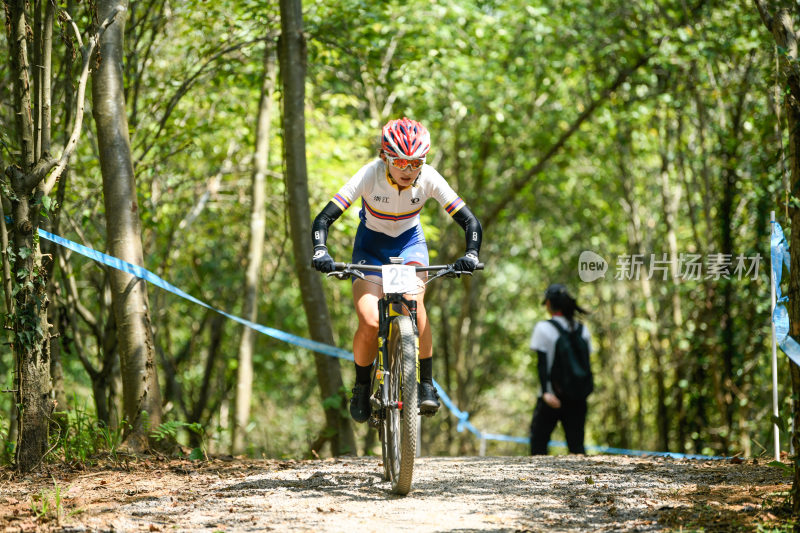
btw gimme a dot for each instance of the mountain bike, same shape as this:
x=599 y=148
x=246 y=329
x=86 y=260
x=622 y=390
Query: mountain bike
x=395 y=372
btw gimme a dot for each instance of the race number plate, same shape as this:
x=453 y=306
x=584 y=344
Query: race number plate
x=399 y=279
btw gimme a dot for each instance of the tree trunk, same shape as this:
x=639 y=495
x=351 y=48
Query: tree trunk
x=730 y=166
x=129 y=294
x=29 y=321
x=28 y=182
x=11 y=437
x=636 y=242
x=200 y=408
x=31 y=344
x=781 y=26
x=292 y=64
x=793 y=122
x=255 y=252
x=670 y=201
x=639 y=374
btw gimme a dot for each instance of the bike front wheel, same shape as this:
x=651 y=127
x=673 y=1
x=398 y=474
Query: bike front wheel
x=400 y=423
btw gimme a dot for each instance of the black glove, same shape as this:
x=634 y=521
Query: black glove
x=466 y=263
x=322 y=260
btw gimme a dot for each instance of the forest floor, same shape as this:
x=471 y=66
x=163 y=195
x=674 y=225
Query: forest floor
x=348 y=494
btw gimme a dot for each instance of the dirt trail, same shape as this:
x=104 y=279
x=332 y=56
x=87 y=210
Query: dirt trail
x=564 y=493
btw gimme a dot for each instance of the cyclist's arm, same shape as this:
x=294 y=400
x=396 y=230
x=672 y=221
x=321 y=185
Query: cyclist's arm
x=354 y=188
x=326 y=217
x=472 y=229
x=437 y=187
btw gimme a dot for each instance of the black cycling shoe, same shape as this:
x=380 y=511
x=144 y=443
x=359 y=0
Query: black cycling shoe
x=428 y=399
x=360 y=408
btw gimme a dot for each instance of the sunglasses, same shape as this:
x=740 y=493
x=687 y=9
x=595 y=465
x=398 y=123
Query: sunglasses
x=403 y=164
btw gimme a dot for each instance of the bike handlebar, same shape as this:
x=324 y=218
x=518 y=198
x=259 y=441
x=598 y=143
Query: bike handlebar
x=345 y=270
x=340 y=267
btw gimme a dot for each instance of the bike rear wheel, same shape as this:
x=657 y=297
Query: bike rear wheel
x=400 y=423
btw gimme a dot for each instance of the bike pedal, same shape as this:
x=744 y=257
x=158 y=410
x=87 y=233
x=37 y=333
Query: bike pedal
x=428 y=412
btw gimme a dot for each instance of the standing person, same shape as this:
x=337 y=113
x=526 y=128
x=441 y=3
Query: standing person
x=550 y=408
x=393 y=188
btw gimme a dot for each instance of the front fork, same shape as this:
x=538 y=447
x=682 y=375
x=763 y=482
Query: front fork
x=388 y=307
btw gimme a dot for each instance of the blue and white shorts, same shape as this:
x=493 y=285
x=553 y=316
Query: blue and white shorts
x=375 y=248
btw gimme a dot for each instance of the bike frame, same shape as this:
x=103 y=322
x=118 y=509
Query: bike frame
x=388 y=406
x=390 y=306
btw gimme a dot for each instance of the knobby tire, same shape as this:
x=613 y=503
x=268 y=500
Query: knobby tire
x=400 y=429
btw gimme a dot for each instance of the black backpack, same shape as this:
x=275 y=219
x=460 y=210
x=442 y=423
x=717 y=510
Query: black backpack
x=571 y=373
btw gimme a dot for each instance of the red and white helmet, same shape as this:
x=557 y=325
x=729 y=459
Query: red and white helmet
x=405 y=138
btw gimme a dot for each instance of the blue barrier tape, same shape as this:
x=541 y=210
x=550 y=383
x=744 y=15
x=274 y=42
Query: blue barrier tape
x=326 y=349
x=641 y=453
x=463 y=423
x=146 y=275
x=792 y=349
x=779 y=255
x=780 y=258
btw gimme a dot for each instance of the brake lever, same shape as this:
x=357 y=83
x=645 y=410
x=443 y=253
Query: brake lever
x=448 y=272
x=347 y=273
x=439 y=274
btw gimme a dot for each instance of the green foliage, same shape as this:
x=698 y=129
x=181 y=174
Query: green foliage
x=41 y=509
x=48 y=204
x=83 y=438
x=500 y=86
x=495 y=109
x=169 y=430
x=80 y=440
x=337 y=401
x=788 y=528
x=111 y=438
x=48 y=504
x=778 y=464
x=6 y=446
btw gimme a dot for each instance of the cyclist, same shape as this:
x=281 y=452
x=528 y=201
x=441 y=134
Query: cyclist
x=393 y=188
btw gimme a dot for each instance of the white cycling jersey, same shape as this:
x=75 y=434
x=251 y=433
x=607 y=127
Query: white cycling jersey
x=389 y=210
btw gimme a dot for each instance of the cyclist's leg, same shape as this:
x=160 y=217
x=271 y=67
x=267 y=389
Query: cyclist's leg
x=368 y=249
x=416 y=253
x=428 y=398
x=425 y=335
x=365 y=346
x=365 y=341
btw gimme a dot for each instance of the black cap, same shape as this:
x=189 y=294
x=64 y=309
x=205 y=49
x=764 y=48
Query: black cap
x=554 y=290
